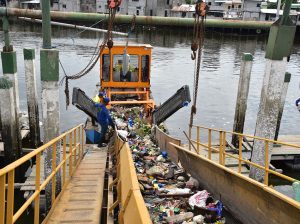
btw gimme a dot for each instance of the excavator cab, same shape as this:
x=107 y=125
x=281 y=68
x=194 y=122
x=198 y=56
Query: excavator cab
x=125 y=75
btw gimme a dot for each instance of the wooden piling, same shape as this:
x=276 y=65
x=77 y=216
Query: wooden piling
x=287 y=80
x=9 y=130
x=32 y=101
x=242 y=96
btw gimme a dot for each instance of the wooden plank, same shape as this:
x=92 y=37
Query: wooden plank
x=82 y=200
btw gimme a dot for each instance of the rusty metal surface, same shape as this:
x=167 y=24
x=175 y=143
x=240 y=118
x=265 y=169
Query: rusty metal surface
x=141 y=20
x=164 y=140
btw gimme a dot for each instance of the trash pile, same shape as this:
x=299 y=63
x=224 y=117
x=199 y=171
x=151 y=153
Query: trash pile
x=171 y=195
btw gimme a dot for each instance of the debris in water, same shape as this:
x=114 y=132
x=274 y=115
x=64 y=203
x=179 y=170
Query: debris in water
x=171 y=195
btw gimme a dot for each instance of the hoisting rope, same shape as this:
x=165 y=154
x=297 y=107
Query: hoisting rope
x=113 y=5
x=196 y=47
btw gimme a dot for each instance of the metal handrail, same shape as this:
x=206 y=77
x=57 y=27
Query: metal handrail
x=10 y=217
x=128 y=190
x=223 y=153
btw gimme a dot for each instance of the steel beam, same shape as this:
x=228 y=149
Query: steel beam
x=141 y=20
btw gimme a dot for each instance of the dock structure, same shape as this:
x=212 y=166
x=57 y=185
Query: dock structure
x=81 y=201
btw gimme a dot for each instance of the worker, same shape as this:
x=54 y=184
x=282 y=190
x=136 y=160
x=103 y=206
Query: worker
x=297 y=104
x=125 y=75
x=97 y=99
x=104 y=119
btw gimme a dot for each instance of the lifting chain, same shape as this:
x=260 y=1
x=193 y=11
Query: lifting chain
x=196 y=47
x=107 y=41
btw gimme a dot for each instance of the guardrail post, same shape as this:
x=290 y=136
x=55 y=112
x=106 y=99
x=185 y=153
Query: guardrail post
x=266 y=162
x=2 y=198
x=240 y=152
x=198 y=139
x=190 y=136
x=71 y=154
x=53 y=190
x=220 y=147
x=82 y=141
x=10 y=197
x=242 y=95
x=75 y=145
x=37 y=188
x=209 y=143
x=64 y=158
x=224 y=148
x=32 y=100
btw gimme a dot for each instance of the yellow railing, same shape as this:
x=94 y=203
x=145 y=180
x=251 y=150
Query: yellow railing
x=75 y=137
x=132 y=208
x=221 y=146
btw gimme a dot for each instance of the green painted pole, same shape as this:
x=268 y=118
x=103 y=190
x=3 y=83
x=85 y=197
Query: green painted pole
x=46 y=24
x=49 y=59
x=140 y=20
x=7 y=47
x=286 y=11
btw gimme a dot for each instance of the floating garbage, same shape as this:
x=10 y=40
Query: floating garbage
x=171 y=195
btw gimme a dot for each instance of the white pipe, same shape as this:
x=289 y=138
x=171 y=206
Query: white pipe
x=278 y=9
x=72 y=26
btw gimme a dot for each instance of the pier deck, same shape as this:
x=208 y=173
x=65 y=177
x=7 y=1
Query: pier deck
x=81 y=202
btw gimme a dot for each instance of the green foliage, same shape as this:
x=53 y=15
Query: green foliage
x=273 y=5
x=189 y=1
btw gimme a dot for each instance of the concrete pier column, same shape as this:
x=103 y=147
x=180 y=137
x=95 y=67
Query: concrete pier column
x=32 y=100
x=280 y=42
x=242 y=96
x=9 y=132
x=51 y=116
x=287 y=79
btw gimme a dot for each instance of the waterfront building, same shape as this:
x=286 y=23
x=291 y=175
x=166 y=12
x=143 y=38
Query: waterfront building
x=184 y=11
x=65 y=5
x=128 y=7
x=251 y=9
x=30 y=4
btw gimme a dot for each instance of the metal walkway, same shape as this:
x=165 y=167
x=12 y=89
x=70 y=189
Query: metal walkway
x=81 y=202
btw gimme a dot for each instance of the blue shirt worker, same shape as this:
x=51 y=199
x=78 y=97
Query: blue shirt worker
x=297 y=104
x=104 y=120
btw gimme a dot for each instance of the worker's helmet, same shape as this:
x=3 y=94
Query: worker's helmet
x=106 y=100
x=101 y=94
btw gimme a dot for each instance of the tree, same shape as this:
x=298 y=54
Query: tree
x=273 y=5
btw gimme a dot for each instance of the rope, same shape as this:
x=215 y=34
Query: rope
x=94 y=59
x=196 y=47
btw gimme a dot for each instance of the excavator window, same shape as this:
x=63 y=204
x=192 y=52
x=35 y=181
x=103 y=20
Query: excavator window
x=145 y=68
x=105 y=67
x=125 y=68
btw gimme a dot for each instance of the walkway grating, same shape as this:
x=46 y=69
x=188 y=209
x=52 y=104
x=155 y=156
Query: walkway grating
x=81 y=202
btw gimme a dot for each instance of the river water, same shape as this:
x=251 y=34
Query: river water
x=171 y=68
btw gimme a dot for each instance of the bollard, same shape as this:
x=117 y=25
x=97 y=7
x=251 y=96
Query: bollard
x=296 y=187
x=9 y=129
x=32 y=101
x=242 y=96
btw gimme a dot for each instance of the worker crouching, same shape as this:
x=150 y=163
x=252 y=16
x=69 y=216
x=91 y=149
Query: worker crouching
x=104 y=120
